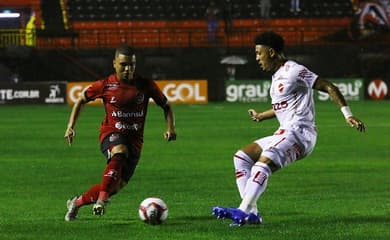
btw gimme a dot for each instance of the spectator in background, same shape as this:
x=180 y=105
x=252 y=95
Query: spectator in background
x=227 y=16
x=295 y=6
x=211 y=14
x=265 y=7
x=371 y=17
x=30 y=32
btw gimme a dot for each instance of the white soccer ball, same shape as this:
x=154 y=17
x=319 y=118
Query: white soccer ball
x=153 y=210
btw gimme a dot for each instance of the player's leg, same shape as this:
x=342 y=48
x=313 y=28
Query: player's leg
x=112 y=177
x=258 y=179
x=274 y=150
x=115 y=150
x=256 y=185
x=278 y=151
x=243 y=160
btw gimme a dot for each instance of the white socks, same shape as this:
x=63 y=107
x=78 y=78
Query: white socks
x=255 y=186
x=243 y=165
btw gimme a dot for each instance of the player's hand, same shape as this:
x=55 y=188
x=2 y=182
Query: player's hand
x=356 y=123
x=69 y=135
x=253 y=115
x=170 y=135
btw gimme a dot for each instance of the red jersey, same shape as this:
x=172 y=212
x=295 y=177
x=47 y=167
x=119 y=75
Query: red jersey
x=126 y=105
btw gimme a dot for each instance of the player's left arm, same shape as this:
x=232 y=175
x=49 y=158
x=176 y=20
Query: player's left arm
x=334 y=92
x=170 y=134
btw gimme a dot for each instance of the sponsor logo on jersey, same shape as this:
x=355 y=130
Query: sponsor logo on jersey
x=140 y=98
x=127 y=126
x=113 y=137
x=280 y=87
x=112 y=85
x=121 y=114
x=113 y=99
x=280 y=105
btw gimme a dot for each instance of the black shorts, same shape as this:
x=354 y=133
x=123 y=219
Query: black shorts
x=114 y=139
x=129 y=166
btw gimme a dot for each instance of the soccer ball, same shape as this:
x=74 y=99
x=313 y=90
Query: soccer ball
x=153 y=210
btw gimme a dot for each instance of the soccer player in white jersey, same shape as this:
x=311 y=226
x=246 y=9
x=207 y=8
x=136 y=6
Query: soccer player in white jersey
x=293 y=105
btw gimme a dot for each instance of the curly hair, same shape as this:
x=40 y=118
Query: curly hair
x=270 y=39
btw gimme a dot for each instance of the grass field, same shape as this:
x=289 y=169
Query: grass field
x=341 y=191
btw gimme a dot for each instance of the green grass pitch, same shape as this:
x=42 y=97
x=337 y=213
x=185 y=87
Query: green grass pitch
x=341 y=191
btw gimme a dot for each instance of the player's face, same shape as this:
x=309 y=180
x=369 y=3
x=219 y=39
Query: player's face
x=264 y=58
x=124 y=67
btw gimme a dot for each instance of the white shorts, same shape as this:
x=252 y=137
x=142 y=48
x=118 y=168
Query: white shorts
x=288 y=145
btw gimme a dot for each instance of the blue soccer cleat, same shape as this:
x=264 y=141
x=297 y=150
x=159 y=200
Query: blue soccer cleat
x=238 y=216
x=254 y=218
x=220 y=212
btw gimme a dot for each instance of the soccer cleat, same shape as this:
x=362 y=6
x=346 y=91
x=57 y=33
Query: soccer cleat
x=71 y=214
x=254 y=218
x=220 y=212
x=99 y=207
x=238 y=216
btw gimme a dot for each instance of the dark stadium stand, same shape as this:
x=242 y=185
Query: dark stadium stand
x=181 y=23
x=170 y=23
x=188 y=9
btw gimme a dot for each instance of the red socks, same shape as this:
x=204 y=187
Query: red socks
x=109 y=185
x=112 y=176
x=89 y=197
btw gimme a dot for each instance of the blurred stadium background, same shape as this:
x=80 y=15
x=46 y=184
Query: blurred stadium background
x=63 y=41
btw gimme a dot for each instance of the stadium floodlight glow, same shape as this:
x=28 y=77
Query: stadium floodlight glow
x=9 y=14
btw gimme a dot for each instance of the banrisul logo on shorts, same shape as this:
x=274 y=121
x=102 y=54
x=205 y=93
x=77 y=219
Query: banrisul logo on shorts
x=248 y=91
x=352 y=89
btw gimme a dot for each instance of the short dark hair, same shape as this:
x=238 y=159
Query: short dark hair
x=125 y=50
x=270 y=39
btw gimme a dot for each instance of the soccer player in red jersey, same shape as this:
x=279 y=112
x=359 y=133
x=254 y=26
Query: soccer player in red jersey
x=125 y=97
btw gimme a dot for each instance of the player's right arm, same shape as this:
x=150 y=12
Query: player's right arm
x=258 y=117
x=70 y=132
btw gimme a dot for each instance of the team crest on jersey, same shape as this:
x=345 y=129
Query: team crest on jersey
x=113 y=137
x=280 y=87
x=140 y=98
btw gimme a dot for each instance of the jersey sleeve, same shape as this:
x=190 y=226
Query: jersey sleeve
x=305 y=76
x=157 y=95
x=95 y=90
